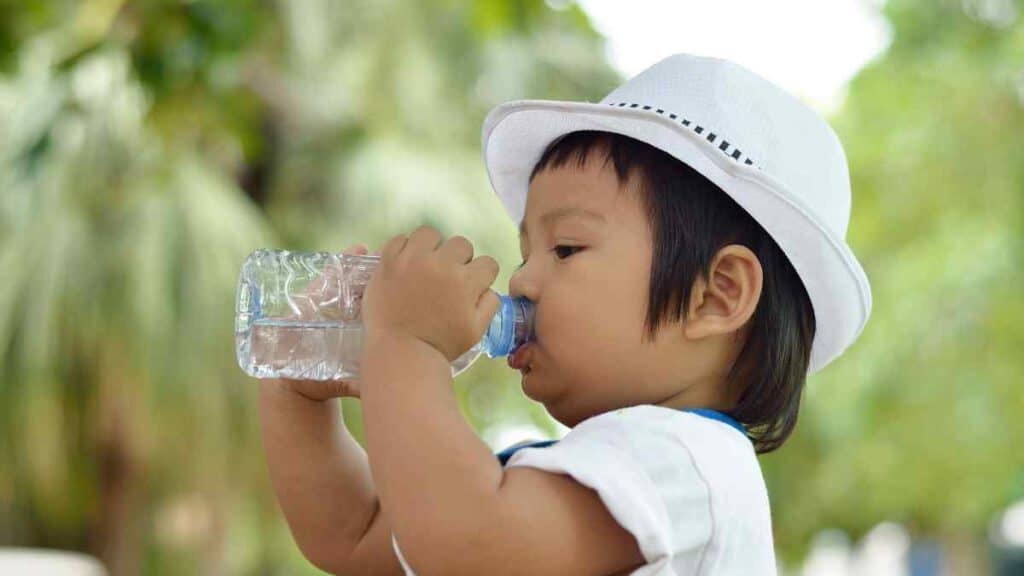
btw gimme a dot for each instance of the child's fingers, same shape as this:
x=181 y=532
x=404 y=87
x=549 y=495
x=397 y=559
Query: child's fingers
x=355 y=249
x=322 y=390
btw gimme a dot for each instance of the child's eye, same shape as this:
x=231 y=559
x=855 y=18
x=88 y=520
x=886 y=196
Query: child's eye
x=556 y=250
x=563 y=246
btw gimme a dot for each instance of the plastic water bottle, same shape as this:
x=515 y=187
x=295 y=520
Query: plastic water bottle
x=298 y=316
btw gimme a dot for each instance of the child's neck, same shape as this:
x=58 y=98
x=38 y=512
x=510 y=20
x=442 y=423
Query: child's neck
x=708 y=395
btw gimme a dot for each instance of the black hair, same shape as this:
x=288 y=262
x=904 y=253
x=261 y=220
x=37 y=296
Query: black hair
x=691 y=220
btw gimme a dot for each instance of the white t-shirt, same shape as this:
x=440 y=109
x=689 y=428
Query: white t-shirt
x=689 y=488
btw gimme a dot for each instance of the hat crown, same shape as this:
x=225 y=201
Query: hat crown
x=779 y=134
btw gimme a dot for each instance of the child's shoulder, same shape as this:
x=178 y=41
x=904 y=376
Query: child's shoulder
x=676 y=480
x=652 y=418
x=646 y=431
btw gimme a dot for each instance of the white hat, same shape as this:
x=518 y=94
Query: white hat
x=775 y=156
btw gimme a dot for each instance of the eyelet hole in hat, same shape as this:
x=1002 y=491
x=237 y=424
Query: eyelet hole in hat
x=735 y=154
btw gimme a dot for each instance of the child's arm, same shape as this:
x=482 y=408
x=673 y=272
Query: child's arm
x=452 y=507
x=323 y=484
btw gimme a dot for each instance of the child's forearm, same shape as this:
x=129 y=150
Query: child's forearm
x=438 y=481
x=318 y=471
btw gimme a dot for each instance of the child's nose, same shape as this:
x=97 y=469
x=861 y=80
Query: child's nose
x=521 y=284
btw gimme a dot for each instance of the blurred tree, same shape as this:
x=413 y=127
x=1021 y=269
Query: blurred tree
x=119 y=249
x=920 y=421
x=145 y=149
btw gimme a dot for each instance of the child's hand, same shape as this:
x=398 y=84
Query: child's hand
x=438 y=294
x=326 y=389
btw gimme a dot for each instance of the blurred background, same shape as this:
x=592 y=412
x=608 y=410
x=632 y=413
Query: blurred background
x=147 y=147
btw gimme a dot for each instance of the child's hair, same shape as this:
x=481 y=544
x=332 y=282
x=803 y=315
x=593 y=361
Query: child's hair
x=691 y=220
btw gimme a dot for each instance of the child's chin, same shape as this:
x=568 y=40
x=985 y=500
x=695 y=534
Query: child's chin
x=536 y=387
x=529 y=384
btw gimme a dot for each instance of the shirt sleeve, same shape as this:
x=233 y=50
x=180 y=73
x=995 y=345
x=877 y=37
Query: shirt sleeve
x=645 y=475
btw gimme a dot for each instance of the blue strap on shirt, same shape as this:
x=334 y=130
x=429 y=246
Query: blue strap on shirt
x=507 y=453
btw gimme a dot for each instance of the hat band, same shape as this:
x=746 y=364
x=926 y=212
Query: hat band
x=711 y=136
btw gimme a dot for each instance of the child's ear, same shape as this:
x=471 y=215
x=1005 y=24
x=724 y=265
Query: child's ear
x=726 y=302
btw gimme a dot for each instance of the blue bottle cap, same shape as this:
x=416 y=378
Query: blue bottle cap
x=510 y=325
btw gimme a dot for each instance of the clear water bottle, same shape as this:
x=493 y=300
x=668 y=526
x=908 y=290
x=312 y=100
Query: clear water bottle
x=297 y=316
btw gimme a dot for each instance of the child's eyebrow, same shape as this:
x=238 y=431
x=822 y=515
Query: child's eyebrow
x=563 y=212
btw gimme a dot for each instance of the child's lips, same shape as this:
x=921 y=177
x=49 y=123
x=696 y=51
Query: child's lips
x=521 y=358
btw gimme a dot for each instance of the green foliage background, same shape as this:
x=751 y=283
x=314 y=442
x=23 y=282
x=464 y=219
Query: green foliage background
x=147 y=147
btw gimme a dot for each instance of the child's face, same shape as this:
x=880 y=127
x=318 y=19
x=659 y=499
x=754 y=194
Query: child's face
x=589 y=277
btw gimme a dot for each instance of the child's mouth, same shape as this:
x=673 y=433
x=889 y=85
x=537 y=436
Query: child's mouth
x=521 y=359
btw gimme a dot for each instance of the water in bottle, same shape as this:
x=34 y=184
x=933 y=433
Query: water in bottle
x=297 y=316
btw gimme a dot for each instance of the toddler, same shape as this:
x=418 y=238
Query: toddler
x=683 y=242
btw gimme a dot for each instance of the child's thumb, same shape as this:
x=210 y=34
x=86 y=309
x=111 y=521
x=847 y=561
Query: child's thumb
x=343 y=388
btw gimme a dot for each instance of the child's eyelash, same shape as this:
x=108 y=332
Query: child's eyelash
x=574 y=248
x=555 y=250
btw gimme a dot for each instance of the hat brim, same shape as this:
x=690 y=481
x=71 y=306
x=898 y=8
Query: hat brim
x=516 y=133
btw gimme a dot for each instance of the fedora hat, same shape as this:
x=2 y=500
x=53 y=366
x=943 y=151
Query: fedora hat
x=775 y=156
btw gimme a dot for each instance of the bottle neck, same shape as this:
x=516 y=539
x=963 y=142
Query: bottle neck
x=511 y=326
